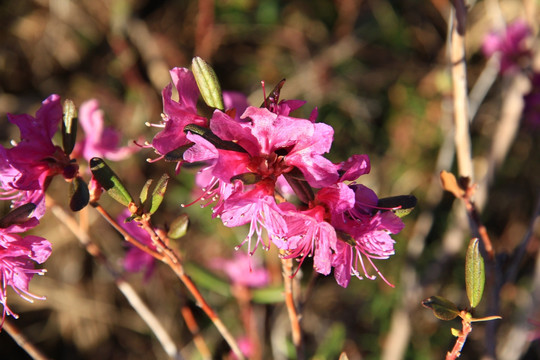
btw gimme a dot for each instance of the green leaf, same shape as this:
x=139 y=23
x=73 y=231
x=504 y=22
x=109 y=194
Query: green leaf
x=331 y=345
x=400 y=205
x=268 y=295
x=179 y=226
x=79 y=195
x=443 y=309
x=208 y=135
x=247 y=178
x=208 y=280
x=18 y=216
x=69 y=126
x=110 y=181
x=474 y=273
x=159 y=192
x=144 y=191
x=208 y=83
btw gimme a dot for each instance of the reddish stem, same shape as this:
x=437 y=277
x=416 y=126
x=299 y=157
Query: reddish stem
x=465 y=331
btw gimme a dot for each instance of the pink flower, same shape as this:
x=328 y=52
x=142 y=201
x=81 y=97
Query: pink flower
x=510 y=44
x=137 y=260
x=243 y=269
x=309 y=235
x=100 y=141
x=272 y=146
x=26 y=169
x=177 y=114
x=256 y=207
x=369 y=233
x=17 y=257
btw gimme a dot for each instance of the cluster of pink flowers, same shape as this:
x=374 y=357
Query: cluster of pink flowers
x=26 y=170
x=254 y=157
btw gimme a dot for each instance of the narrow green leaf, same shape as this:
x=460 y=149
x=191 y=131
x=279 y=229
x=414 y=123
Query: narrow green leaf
x=159 y=193
x=267 y=295
x=247 y=178
x=79 y=195
x=301 y=188
x=110 y=181
x=474 y=273
x=179 y=226
x=442 y=308
x=144 y=191
x=208 y=83
x=69 y=126
x=178 y=153
x=18 y=216
x=208 y=135
x=401 y=205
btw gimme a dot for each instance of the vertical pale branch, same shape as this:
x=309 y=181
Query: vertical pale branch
x=287 y=265
x=459 y=87
x=22 y=341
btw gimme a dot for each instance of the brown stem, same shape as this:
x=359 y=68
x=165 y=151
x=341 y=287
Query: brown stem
x=23 y=341
x=169 y=257
x=465 y=331
x=191 y=323
x=125 y=288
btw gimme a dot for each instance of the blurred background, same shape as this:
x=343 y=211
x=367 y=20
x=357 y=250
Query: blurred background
x=377 y=70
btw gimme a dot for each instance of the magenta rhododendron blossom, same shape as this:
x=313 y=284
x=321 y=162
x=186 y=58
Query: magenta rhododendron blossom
x=243 y=269
x=99 y=140
x=254 y=162
x=510 y=43
x=18 y=256
x=178 y=114
x=26 y=168
x=137 y=260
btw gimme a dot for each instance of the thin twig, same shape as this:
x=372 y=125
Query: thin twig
x=169 y=257
x=23 y=341
x=460 y=341
x=125 y=288
x=287 y=266
x=193 y=327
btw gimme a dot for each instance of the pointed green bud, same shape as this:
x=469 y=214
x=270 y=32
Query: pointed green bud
x=79 y=195
x=178 y=227
x=443 y=309
x=208 y=83
x=18 y=215
x=474 y=273
x=400 y=205
x=69 y=126
x=110 y=181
